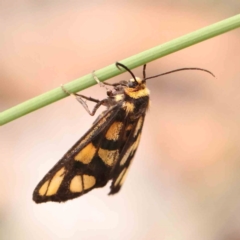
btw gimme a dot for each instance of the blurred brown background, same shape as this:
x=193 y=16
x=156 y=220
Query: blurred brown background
x=184 y=182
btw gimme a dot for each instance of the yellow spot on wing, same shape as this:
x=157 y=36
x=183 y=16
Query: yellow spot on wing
x=42 y=191
x=130 y=150
x=88 y=181
x=123 y=178
x=86 y=155
x=51 y=188
x=113 y=131
x=135 y=145
x=76 y=184
x=126 y=155
x=108 y=156
x=129 y=107
x=138 y=127
x=120 y=176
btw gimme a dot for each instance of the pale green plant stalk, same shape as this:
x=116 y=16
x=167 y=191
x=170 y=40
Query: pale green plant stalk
x=111 y=70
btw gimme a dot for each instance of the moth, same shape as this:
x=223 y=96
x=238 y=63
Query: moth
x=106 y=150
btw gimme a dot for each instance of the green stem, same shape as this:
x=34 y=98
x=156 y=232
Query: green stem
x=111 y=71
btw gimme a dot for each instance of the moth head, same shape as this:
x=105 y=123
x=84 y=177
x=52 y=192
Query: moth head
x=136 y=83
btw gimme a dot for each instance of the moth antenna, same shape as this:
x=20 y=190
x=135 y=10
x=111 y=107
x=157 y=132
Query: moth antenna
x=181 y=69
x=144 y=71
x=118 y=65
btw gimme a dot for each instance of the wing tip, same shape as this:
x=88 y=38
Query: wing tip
x=114 y=190
x=42 y=199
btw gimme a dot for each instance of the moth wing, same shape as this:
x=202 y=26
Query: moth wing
x=126 y=156
x=82 y=168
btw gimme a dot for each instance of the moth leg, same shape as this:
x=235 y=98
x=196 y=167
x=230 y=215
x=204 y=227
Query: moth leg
x=80 y=97
x=101 y=84
x=103 y=102
x=110 y=84
x=116 y=86
x=121 y=83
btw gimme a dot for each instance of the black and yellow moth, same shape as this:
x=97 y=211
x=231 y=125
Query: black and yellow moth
x=106 y=150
